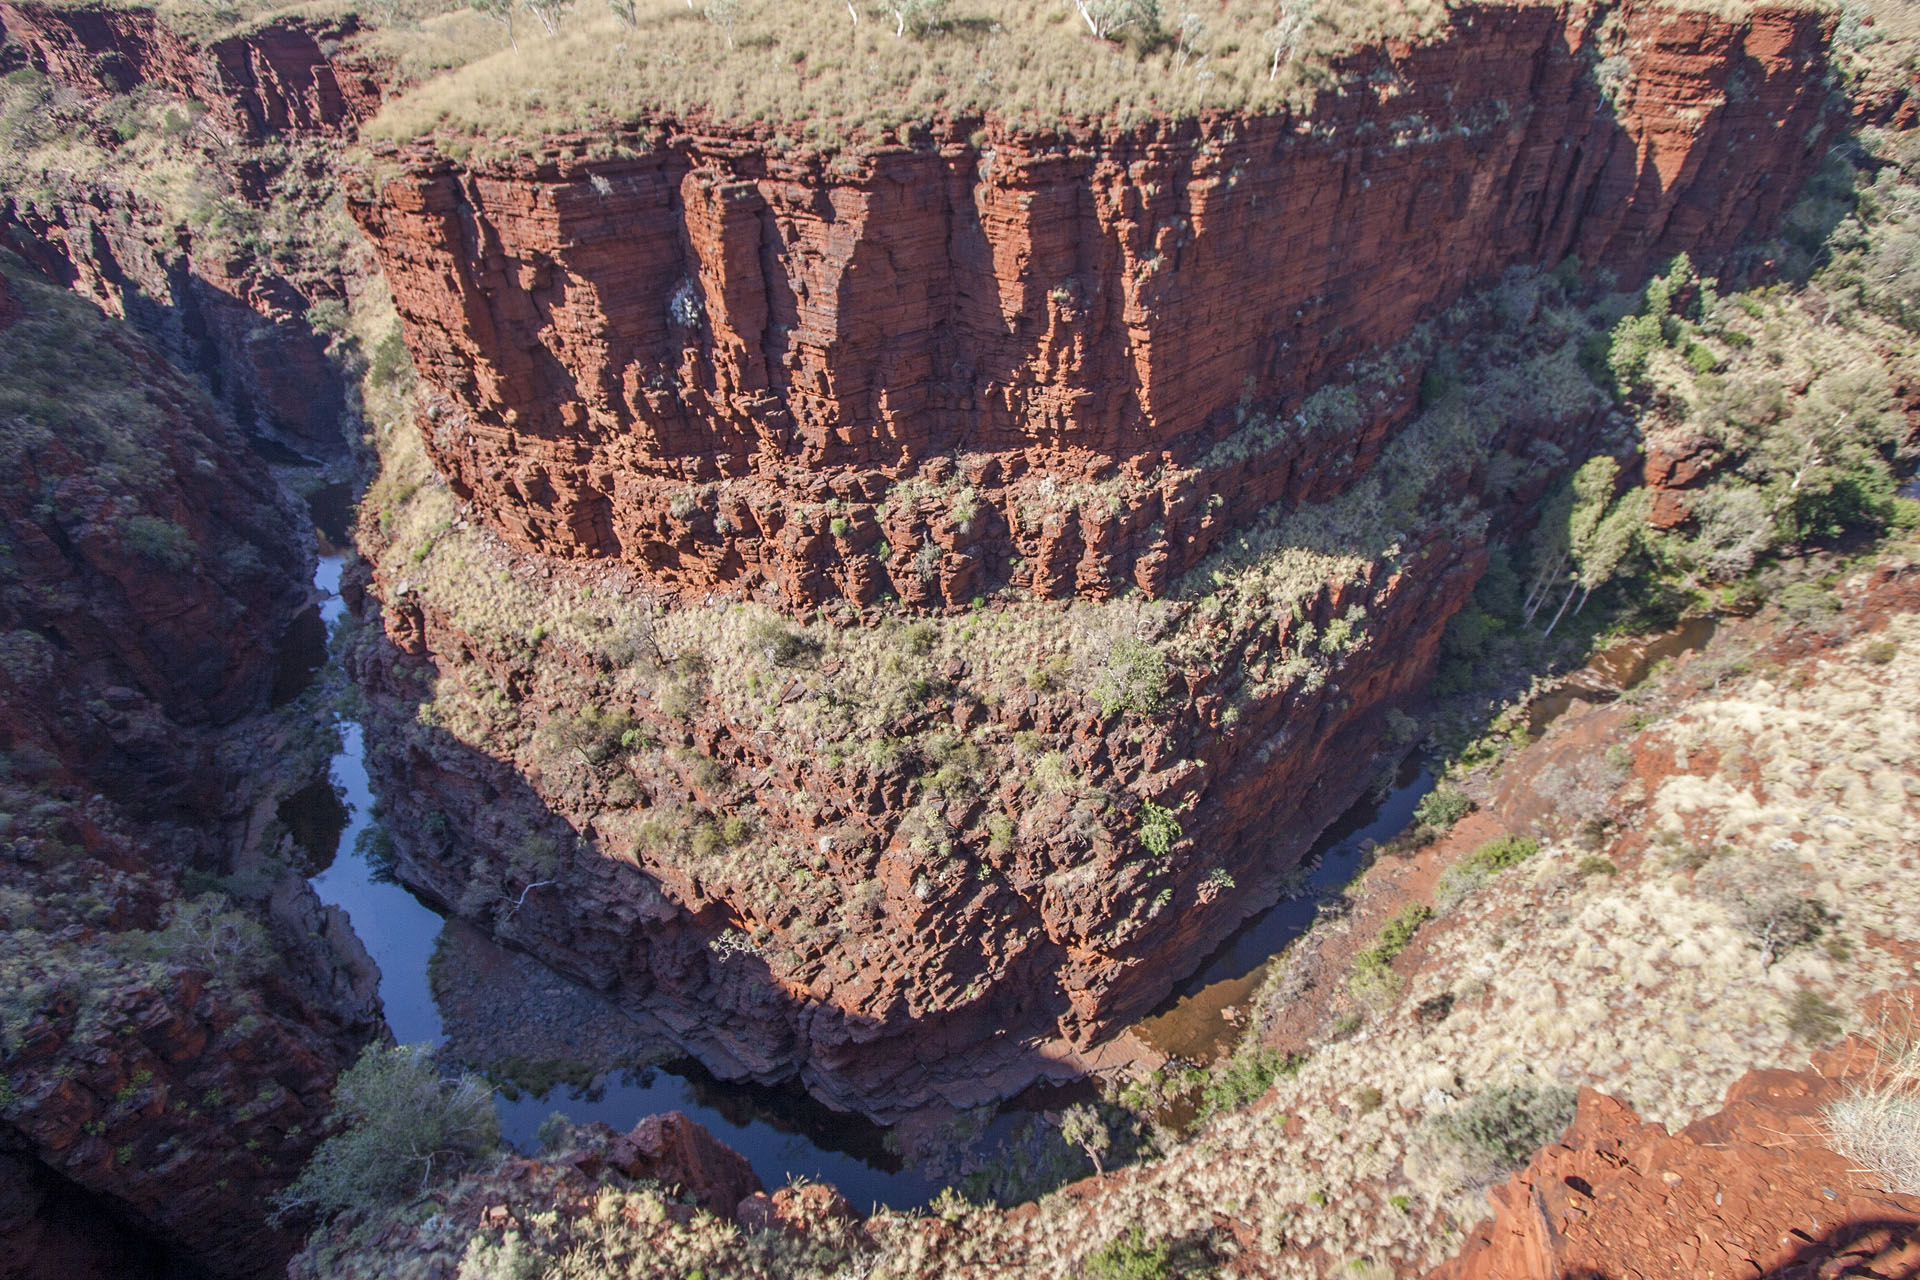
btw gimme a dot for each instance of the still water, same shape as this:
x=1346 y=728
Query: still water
x=782 y=1131
x=1191 y=1024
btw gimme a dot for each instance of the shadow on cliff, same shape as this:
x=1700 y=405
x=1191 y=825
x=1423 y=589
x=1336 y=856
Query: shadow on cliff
x=275 y=377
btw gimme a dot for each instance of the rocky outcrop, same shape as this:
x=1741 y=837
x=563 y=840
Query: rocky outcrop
x=1753 y=1190
x=1063 y=360
x=241 y=323
x=597 y=1200
x=677 y=1153
x=177 y=1002
x=943 y=904
x=235 y=304
x=288 y=75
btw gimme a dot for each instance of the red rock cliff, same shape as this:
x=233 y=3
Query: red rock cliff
x=1750 y=1191
x=171 y=1036
x=220 y=304
x=284 y=76
x=719 y=359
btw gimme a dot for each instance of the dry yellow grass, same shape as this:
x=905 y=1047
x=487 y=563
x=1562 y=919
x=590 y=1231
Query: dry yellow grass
x=1638 y=984
x=817 y=69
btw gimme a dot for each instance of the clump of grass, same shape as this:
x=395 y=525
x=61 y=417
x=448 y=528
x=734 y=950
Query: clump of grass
x=1877 y=1124
x=1812 y=1019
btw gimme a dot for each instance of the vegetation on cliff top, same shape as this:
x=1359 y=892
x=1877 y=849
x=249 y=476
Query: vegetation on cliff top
x=506 y=67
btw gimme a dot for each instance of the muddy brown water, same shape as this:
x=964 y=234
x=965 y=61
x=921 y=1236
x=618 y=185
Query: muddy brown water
x=1613 y=671
x=1203 y=1018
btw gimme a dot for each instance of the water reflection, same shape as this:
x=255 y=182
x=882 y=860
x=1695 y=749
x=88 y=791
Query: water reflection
x=782 y=1131
x=1191 y=1023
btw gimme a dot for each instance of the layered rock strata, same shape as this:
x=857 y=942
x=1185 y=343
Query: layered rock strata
x=225 y=273
x=924 y=864
x=176 y=1001
x=287 y=75
x=1063 y=359
x=994 y=368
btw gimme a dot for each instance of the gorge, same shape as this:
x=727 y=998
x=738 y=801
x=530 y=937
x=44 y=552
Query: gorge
x=876 y=600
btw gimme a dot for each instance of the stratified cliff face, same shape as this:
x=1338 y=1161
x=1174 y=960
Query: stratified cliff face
x=174 y=1001
x=965 y=360
x=286 y=76
x=222 y=261
x=921 y=864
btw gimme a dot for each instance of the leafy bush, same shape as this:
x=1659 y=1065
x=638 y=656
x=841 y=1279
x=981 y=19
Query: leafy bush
x=1373 y=981
x=398 y=1125
x=1135 y=679
x=1129 y=1257
x=1502 y=853
x=204 y=932
x=1498 y=1130
x=1159 y=830
x=1396 y=935
x=1808 y=602
x=1442 y=807
x=592 y=734
x=1244 y=1078
x=161 y=541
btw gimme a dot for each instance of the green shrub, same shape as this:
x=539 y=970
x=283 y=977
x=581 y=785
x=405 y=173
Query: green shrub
x=1373 y=981
x=1135 y=679
x=1129 y=1257
x=592 y=734
x=398 y=1125
x=1502 y=853
x=161 y=541
x=1807 y=603
x=1158 y=829
x=1442 y=807
x=1498 y=1130
x=391 y=361
x=1395 y=936
x=1243 y=1078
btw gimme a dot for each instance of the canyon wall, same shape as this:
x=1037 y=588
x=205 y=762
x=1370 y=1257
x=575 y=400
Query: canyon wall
x=1064 y=363
x=913 y=864
x=224 y=271
x=968 y=358
x=176 y=1001
x=288 y=75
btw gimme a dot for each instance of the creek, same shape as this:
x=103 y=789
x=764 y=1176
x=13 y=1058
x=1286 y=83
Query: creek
x=782 y=1131
x=1201 y=1021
